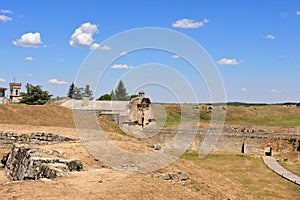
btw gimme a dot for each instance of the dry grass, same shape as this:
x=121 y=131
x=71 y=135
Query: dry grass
x=46 y=115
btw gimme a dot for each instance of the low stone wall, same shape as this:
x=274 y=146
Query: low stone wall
x=7 y=139
x=233 y=142
x=30 y=163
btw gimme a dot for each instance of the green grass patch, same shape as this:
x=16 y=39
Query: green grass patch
x=268 y=115
x=251 y=172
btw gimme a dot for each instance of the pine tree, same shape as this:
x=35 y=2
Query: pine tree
x=88 y=91
x=120 y=92
x=71 y=90
x=113 y=96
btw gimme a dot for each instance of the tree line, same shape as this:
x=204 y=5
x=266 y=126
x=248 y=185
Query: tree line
x=35 y=95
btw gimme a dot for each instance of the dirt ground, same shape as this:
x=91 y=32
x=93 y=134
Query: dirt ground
x=99 y=182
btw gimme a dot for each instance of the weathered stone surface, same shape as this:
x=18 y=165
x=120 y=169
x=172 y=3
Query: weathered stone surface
x=26 y=162
x=9 y=138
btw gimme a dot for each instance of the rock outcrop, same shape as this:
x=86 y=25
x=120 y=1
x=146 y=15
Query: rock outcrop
x=30 y=163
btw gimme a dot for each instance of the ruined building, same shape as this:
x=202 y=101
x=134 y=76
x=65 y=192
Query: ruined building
x=140 y=111
x=136 y=112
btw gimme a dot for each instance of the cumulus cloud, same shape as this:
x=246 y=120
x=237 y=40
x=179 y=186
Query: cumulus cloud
x=83 y=37
x=29 y=58
x=4 y=18
x=29 y=75
x=175 y=56
x=56 y=81
x=121 y=66
x=297 y=12
x=244 y=90
x=189 y=23
x=275 y=91
x=2 y=80
x=270 y=37
x=29 y=40
x=123 y=53
x=229 y=61
x=6 y=11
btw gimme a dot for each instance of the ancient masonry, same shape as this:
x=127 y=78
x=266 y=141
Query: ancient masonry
x=30 y=163
x=7 y=139
x=27 y=162
x=136 y=112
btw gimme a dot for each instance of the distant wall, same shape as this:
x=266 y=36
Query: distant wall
x=232 y=142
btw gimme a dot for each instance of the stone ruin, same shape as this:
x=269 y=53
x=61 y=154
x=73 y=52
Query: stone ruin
x=140 y=110
x=7 y=139
x=25 y=162
x=31 y=163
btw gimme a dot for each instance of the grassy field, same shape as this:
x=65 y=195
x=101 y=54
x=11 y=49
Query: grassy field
x=292 y=167
x=268 y=115
x=251 y=172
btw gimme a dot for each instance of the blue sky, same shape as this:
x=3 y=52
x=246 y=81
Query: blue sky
x=255 y=44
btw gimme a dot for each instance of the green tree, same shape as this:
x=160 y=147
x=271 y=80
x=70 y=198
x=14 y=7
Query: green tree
x=34 y=95
x=120 y=92
x=113 y=96
x=129 y=97
x=105 y=97
x=77 y=93
x=88 y=91
x=71 y=90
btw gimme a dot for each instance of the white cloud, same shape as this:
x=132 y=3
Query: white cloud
x=275 y=91
x=270 y=37
x=175 y=56
x=297 y=12
x=30 y=75
x=29 y=40
x=189 y=23
x=2 y=80
x=244 y=90
x=5 y=18
x=29 y=58
x=83 y=37
x=123 y=53
x=120 y=66
x=6 y=11
x=229 y=61
x=98 y=46
x=57 y=82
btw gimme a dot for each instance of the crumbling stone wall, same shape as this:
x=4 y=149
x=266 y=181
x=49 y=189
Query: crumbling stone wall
x=25 y=162
x=232 y=142
x=7 y=139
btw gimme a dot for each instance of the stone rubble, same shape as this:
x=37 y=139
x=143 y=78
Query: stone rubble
x=174 y=177
x=9 y=138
